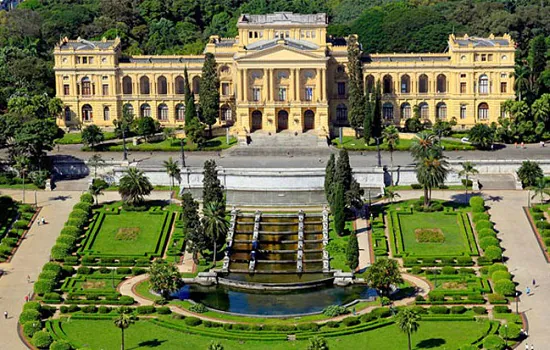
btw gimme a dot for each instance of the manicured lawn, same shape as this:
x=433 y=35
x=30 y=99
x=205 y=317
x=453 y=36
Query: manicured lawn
x=454 y=243
x=143 y=334
x=353 y=144
x=172 y=145
x=146 y=237
x=337 y=247
x=76 y=138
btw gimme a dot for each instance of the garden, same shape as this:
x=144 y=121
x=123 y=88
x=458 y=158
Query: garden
x=15 y=220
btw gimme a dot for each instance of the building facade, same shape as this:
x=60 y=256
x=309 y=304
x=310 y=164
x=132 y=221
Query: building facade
x=282 y=72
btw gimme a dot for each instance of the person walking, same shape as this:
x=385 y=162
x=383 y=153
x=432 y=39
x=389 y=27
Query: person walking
x=26 y=298
x=28 y=278
x=534 y=283
x=6 y=315
x=526 y=346
x=527 y=290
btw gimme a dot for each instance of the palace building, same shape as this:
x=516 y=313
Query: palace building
x=282 y=72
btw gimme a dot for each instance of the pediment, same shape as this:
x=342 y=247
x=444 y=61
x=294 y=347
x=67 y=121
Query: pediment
x=281 y=52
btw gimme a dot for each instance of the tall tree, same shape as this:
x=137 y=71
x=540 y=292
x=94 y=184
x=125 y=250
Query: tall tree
x=209 y=92
x=407 y=321
x=482 y=136
x=537 y=59
x=338 y=208
x=329 y=177
x=529 y=172
x=194 y=233
x=22 y=165
x=190 y=108
x=133 y=186
x=383 y=274
x=215 y=224
x=96 y=161
x=164 y=278
x=122 y=127
x=146 y=126
x=425 y=144
x=356 y=92
x=212 y=189
x=123 y=321
x=368 y=121
x=431 y=172
x=377 y=111
x=352 y=252
x=541 y=188
x=468 y=168
x=391 y=138
x=173 y=171
x=391 y=195
x=97 y=187
x=92 y=135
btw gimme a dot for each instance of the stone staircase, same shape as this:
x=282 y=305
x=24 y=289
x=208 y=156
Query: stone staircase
x=497 y=181
x=282 y=144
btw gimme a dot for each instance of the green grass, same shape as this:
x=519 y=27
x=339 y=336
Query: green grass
x=454 y=242
x=172 y=145
x=150 y=225
x=144 y=334
x=337 y=246
x=144 y=289
x=76 y=138
x=353 y=144
x=28 y=186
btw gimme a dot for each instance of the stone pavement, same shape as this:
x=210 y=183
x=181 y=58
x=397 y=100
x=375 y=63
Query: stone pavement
x=364 y=246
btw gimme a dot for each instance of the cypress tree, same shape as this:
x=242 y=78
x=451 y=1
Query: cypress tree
x=329 y=177
x=338 y=208
x=343 y=174
x=190 y=108
x=212 y=190
x=377 y=111
x=209 y=92
x=352 y=252
x=367 y=123
x=192 y=226
x=356 y=90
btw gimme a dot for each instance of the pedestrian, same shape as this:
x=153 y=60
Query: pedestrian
x=516 y=144
x=526 y=346
x=532 y=347
x=522 y=144
x=28 y=279
x=5 y=314
x=534 y=283
x=43 y=221
x=527 y=290
x=38 y=222
x=26 y=298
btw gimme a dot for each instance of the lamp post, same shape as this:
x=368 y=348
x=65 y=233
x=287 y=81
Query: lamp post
x=517 y=299
x=124 y=150
x=182 y=153
x=378 y=150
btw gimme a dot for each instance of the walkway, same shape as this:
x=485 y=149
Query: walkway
x=361 y=228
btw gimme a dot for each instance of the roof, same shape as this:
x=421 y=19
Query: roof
x=415 y=58
x=284 y=18
x=153 y=59
x=81 y=44
x=482 y=42
x=225 y=42
x=297 y=44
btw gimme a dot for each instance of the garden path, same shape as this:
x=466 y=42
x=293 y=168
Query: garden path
x=361 y=228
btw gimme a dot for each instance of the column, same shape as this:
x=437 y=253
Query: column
x=318 y=87
x=269 y=84
x=292 y=92
x=239 y=85
x=265 y=87
x=297 y=85
x=245 y=85
x=323 y=83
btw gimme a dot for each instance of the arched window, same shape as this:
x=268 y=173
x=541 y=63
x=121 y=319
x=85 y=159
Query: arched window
x=180 y=112
x=483 y=111
x=225 y=113
x=162 y=112
x=86 y=86
x=341 y=113
x=483 y=84
x=196 y=84
x=68 y=114
x=405 y=111
x=129 y=108
x=387 y=111
x=106 y=113
x=127 y=86
x=405 y=84
x=441 y=84
x=87 y=113
x=388 y=84
x=370 y=83
x=424 y=111
x=441 y=111
x=145 y=110
x=144 y=87
x=162 y=86
x=180 y=85
x=423 y=84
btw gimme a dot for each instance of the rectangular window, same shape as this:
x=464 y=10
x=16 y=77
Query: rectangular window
x=503 y=87
x=256 y=94
x=106 y=114
x=463 y=75
x=282 y=93
x=105 y=89
x=86 y=88
x=250 y=35
x=483 y=57
x=308 y=93
x=78 y=59
x=341 y=89
x=462 y=111
x=66 y=89
x=225 y=89
x=85 y=60
x=490 y=57
x=463 y=88
x=476 y=57
x=91 y=60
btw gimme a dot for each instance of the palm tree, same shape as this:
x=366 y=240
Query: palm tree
x=22 y=165
x=97 y=187
x=134 y=186
x=123 y=321
x=164 y=278
x=173 y=170
x=541 y=189
x=391 y=137
x=215 y=345
x=317 y=343
x=468 y=168
x=522 y=83
x=529 y=172
x=431 y=172
x=391 y=195
x=214 y=222
x=96 y=161
x=425 y=144
x=407 y=321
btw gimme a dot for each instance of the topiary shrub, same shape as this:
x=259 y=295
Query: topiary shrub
x=192 y=321
x=52 y=296
x=334 y=324
x=496 y=299
x=164 y=310
x=32 y=305
x=87 y=207
x=311 y=327
x=71 y=231
x=496 y=267
x=198 y=308
x=104 y=309
x=448 y=270
x=510 y=331
x=87 y=198
x=66 y=240
x=505 y=287
x=501 y=275
x=89 y=309
x=43 y=286
x=480 y=216
x=145 y=309
x=41 y=339
x=544 y=225
x=501 y=309
x=457 y=310
x=334 y=310
x=493 y=342
x=351 y=321
x=486 y=232
x=469 y=347
x=480 y=225
x=476 y=201
x=60 y=251
x=478 y=209
x=487 y=242
x=479 y=310
x=31 y=327
x=493 y=253
x=439 y=310
x=60 y=345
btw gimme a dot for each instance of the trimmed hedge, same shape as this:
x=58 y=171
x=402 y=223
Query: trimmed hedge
x=487 y=242
x=493 y=342
x=505 y=287
x=501 y=275
x=493 y=253
x=87 y=198
x=41 y=339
